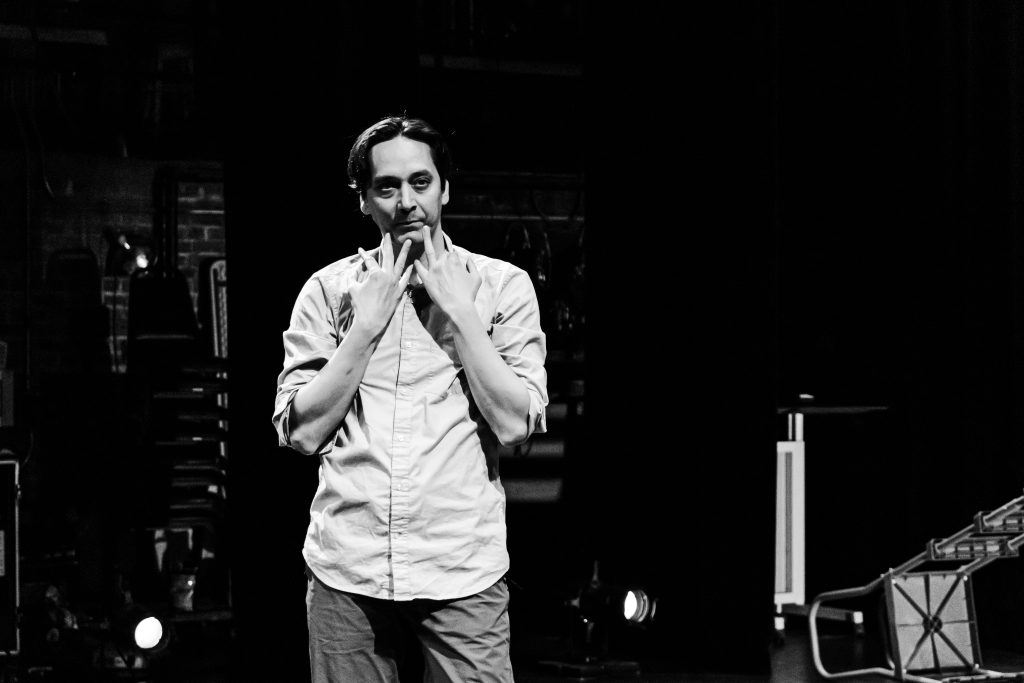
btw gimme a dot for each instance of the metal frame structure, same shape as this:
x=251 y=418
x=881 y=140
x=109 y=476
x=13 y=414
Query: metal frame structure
x=932 y=625
x=790 y=523
x=218 y=283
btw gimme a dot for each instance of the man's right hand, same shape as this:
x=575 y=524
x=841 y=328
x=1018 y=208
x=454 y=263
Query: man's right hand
x=376 y=296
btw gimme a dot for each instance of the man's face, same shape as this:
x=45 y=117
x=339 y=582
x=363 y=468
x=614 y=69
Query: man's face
x=405 y=190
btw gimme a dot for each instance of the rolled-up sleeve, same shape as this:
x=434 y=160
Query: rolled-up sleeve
x=309 y=342
x=519 y=340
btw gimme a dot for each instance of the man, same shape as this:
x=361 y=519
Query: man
x=404 y=367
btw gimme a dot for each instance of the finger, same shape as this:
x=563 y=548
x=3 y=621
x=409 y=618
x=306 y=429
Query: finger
x=368 y=262
x=428 y=246
x=403 y=281
x=387 y=253
x=421 y=269
x=402 y=256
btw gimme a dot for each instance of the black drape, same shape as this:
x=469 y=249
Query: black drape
x=900 y=277
x=782 y=197
x=680 y=340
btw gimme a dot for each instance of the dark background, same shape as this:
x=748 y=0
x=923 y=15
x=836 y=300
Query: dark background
x=781 y=198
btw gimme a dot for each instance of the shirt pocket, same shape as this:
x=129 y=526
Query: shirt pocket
x=450 y=385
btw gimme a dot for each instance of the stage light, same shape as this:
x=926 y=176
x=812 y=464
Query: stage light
x=138 y=628
x=130 y=640
x=632 y=605
x=607 y=602
x=638 y=608
x=148 y=633
x=126 y=252
x=602 y=613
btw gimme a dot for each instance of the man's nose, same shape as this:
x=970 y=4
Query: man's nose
x=405 y=199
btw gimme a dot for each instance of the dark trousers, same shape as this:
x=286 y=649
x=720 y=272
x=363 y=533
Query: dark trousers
x=358 y=639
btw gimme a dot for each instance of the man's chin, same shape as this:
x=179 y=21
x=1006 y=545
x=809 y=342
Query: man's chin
x=407 y=233
x=415 y=240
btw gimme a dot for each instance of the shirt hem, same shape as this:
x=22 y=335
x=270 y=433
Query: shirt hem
x=488 y=580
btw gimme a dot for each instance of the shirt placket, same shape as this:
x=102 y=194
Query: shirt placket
x=400 y=453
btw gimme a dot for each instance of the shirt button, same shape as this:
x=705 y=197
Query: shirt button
x=400 y=437
x=408 y=344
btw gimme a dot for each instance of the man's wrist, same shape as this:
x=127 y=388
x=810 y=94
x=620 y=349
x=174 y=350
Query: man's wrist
x=464 y=317
x=362 y=334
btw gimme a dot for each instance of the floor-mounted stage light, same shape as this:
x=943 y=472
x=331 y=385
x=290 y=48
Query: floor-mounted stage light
x=601 y=601
x=637 y=607
x=135 y=635
x=148 y=634
x=140 y=629
x=599 y=610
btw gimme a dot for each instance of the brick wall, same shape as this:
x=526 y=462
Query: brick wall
x=200 y=227
x=96 y=197
x=115 y=298
x=200 y=237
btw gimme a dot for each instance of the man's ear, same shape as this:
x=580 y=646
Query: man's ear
x=362 y=204
x=444 y=195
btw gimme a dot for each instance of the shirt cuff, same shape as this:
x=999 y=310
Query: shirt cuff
x=282 y=415
x=538 y=419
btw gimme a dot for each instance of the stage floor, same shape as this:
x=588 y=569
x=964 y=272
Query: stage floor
x=791 y=662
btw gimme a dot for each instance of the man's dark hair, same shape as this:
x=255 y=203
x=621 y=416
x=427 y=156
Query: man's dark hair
x=387 y=129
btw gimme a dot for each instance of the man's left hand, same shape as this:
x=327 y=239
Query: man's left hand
x=451 y=282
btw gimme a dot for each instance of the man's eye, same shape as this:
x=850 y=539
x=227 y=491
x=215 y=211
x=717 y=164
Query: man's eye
x=385 y=191
x=421 y=183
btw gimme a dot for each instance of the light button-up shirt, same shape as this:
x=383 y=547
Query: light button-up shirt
x=409 y=503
